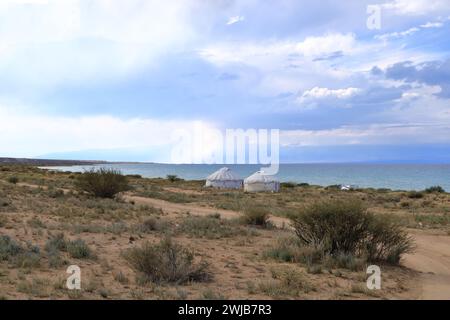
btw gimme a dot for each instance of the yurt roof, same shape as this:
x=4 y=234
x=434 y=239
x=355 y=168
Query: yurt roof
x=224 y=174
x=259 y=177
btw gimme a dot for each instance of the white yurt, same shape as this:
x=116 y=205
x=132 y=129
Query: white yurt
x=224 y=179
x=259 y=182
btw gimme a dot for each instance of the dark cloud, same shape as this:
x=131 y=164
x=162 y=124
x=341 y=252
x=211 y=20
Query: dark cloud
x=331 y=56
x=378 y=94
x=430 y=73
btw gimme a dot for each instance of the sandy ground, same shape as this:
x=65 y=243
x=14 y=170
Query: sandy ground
x=431 y=257
x=429 y=264
x=432 y=260
x=176 y=208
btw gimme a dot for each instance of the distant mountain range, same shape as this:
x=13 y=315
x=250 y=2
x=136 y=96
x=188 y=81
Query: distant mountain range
x=48 y=162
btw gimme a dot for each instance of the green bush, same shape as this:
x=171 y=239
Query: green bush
x=13 y=180
x=288 y=185
x=102 y=183
x=9 y=248
x=255 y=215
x=415 y=195
x=172 y=177
x=346 y=227
x=56 y=243
x=78 y=249
x=435 y=189
x=19 y=256
x=166 y=262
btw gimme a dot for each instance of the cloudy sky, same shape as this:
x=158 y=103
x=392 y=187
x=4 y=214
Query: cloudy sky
x=112 y=79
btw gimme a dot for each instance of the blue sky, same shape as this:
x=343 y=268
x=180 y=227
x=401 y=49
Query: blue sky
x=111 y=79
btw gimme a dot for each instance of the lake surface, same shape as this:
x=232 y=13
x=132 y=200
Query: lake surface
x=392 y=176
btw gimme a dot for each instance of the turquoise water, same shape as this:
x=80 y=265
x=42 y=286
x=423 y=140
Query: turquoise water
x=393 y=176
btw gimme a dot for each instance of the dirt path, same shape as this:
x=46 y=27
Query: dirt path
x=432 y=259
x=195 y=209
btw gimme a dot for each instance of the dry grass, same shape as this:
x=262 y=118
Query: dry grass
x=56 y=225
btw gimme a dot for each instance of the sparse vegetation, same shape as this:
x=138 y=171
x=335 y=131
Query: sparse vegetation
x=288 y=282
x=45 y=211
x=16 y=254
x=210 y=227
x=166 y=262
x=103 y=183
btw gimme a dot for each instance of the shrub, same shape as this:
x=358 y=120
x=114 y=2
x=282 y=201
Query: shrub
x=255 y=215
x=103 y=183
x=435 y=189
x=78 y=249
x=172 y=177
x=288 y=185
x=9 y=248
x=152 y=224
x=56 y=243
x=166 y=262
x=19 y=256
x=13 y=180
x=415 y=195
x=345 y=227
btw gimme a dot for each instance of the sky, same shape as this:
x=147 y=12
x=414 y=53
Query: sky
x=113 y=80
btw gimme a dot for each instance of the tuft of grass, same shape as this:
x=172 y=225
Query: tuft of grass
x=19 y=256
x=166 y=262
x=209 y=227
x=78 y=249
x=56 y=243
x=121 y=278
x=287 y=283
x=35 y=287
x=152 y=224
x=102 y=183
x=255 y=215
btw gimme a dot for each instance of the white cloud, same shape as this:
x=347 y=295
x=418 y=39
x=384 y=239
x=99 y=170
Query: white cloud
x=319 y=93
x=432 y=25
x=45 y=43
x=259 y=53
x=417 y=7
x=374 y=134
x=409 y=31
x=235 y=19
x=26 y=134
